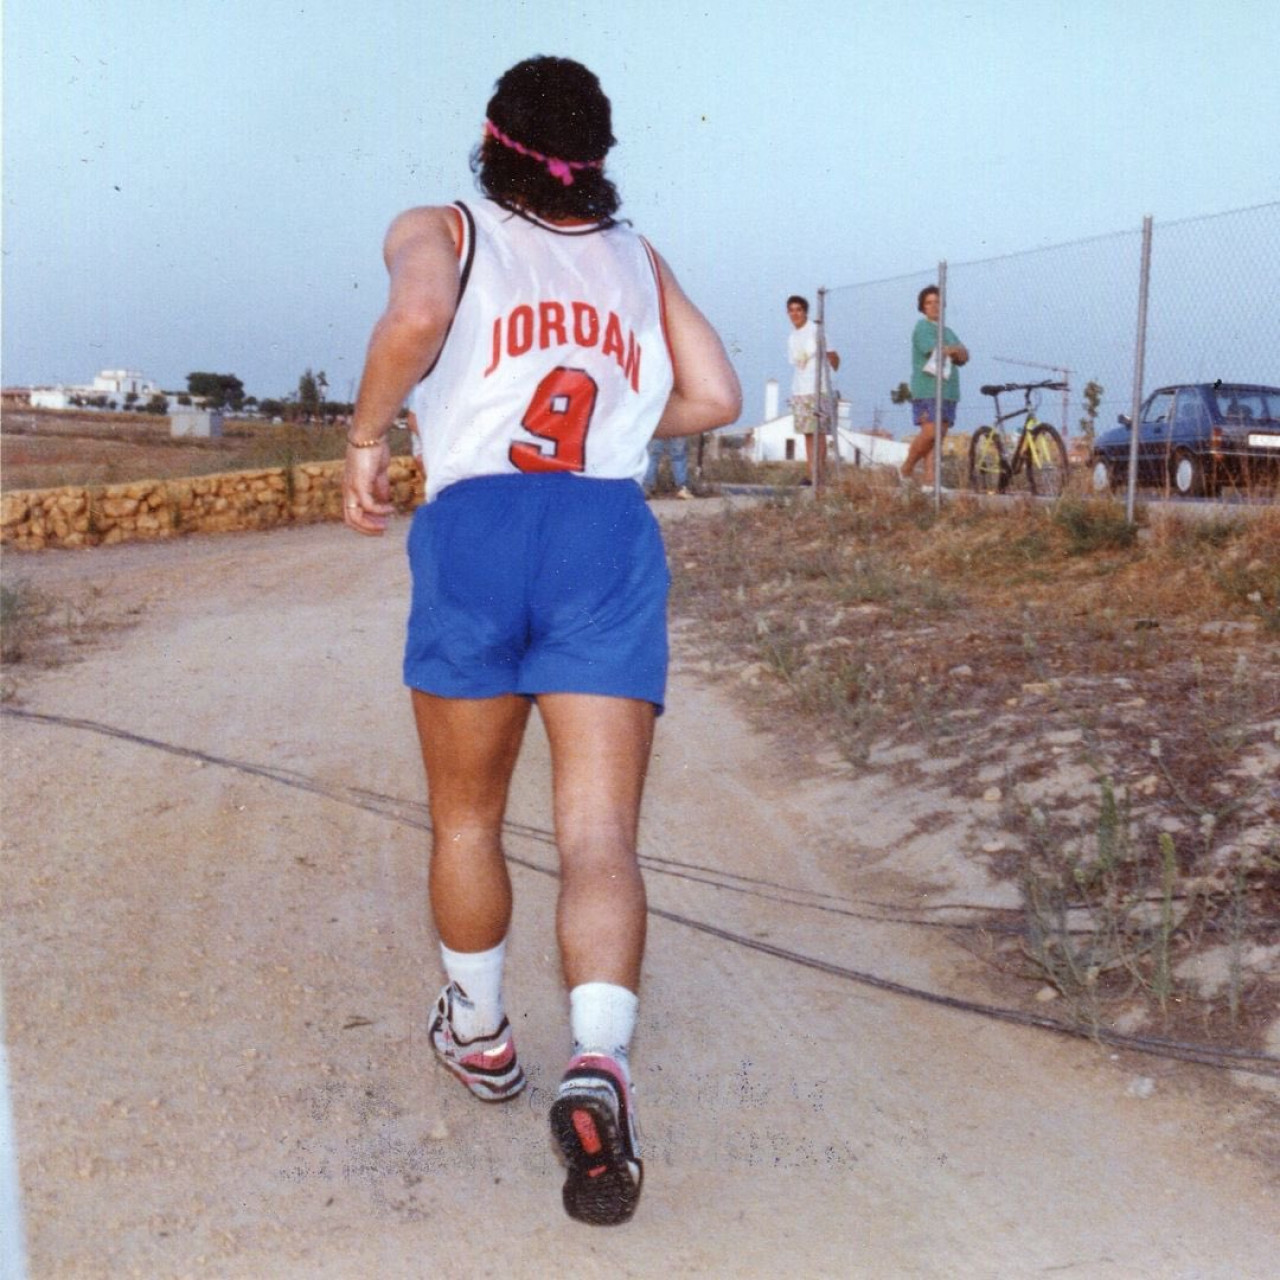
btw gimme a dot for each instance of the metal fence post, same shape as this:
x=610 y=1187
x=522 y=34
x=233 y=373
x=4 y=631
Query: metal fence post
x=816 y=468
x=1139 y=361
x=939 y=379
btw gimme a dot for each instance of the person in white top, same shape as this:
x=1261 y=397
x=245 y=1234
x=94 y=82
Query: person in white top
x=812 y=412
x=551 y=342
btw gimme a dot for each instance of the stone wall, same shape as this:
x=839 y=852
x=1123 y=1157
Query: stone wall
x=99 y=515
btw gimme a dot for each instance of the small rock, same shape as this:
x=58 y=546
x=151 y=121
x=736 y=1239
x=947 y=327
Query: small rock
x=1046 y=995
x=993 y=795
x=1141 y=1087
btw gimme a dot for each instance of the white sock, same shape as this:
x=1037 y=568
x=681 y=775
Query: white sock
x=602 y=1017
x=477 y=976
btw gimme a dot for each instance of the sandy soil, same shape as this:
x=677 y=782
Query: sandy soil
x=217 y=968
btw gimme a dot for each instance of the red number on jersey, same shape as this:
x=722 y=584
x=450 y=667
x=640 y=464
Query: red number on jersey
x=560 y=411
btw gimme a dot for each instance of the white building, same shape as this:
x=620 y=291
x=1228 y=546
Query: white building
x=51 y=398
x=776 y=439
x=119 y=383
x=113 y=384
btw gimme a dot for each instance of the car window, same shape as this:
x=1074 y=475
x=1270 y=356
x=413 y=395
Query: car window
x=1158 y=408
x=1190 y=409
x=1245 y=406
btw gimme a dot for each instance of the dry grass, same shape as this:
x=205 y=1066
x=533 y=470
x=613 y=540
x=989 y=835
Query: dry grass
x=1017 y=639
x=40 y=629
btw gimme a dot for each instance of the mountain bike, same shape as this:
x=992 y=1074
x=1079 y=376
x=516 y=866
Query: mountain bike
x=994 y=460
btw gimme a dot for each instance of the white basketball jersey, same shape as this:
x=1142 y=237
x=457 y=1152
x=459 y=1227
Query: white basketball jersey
x=557 y=358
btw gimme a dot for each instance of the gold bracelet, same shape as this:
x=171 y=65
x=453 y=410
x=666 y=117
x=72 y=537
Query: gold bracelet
x=366 y=444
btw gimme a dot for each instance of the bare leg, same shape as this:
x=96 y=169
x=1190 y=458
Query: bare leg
x=921 y=448
x=599 y=757
x=469 y=748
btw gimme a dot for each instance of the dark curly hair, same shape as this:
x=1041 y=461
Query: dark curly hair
x=554 y=106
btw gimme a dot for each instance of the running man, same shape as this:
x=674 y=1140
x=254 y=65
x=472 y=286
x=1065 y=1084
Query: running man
x=554 y=342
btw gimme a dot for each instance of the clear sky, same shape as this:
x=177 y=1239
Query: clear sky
x=205 y=184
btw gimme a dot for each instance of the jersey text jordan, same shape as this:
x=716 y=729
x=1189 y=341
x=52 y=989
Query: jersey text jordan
x=556 y=324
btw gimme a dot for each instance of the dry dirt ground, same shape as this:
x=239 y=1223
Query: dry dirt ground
x=217 y=968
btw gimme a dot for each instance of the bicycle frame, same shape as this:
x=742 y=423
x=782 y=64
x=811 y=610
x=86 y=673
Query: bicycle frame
x=1028 y=415
x=1026 y=441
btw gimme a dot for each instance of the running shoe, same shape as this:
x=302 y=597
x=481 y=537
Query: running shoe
x=593 y=1123
x=487 y=1065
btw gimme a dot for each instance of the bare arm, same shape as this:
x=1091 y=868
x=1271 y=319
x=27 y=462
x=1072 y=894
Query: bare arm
x=706 y=392
x=421 y=253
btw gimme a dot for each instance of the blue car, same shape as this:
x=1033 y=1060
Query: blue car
x=1196 y=439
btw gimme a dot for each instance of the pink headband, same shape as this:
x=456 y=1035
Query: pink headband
x=562 y=169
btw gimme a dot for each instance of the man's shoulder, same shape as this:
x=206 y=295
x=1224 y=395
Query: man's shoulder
x=424 y=216
x=422 y=223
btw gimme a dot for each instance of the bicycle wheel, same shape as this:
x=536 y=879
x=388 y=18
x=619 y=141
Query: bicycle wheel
x=988 y=471
x=1046 y=462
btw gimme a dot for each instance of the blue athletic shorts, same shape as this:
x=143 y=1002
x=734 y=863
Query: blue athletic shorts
x=536 y=584
x=922 y=411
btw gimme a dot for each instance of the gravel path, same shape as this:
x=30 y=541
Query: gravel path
x=217 y=967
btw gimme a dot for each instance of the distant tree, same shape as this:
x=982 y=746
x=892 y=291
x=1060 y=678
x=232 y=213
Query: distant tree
x=322 y=386
x=901 y=394
x=185 y=401
x=1092 y=400
x=131 y=399
x=157 y=404
x=217 y=390
x=308 y=395
x=271 y=408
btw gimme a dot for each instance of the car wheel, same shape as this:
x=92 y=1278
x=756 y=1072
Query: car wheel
x=1104 y=477
x=1187 y=474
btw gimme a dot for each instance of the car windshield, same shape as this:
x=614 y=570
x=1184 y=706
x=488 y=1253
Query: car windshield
x=1248 y=406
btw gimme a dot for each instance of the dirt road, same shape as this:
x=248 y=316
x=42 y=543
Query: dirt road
x=217 y=968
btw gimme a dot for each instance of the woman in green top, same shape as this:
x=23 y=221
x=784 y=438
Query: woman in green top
x=924 y=385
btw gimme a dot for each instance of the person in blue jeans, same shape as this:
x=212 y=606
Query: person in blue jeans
x=677 y=451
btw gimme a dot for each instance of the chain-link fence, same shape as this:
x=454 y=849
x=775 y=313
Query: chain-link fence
x=1070 y=314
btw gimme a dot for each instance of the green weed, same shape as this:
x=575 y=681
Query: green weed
x=1101 y=922
x=1093 y=526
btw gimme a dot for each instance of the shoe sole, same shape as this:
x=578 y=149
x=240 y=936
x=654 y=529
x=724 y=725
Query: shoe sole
x=601 y=1189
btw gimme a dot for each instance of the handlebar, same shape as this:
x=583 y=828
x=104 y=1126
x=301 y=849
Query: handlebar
x=1048 y=385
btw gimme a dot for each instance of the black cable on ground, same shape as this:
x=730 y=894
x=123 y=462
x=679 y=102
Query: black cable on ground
x=409 y=813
